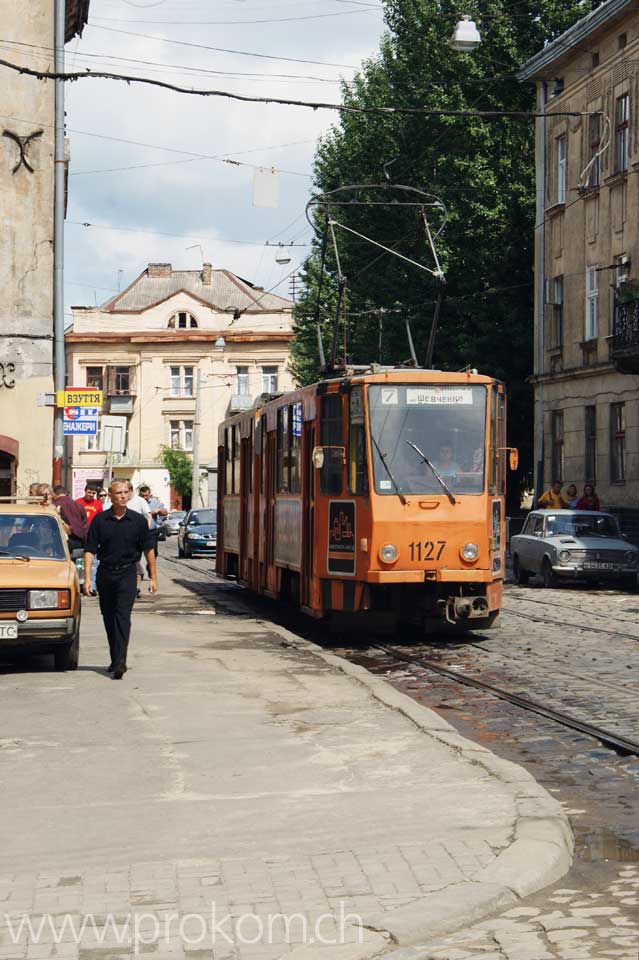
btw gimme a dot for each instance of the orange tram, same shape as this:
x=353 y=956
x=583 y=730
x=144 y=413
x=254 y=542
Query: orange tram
x=380 y=493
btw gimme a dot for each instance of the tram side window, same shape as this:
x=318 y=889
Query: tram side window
x=283 y=458
x=331 y=436
x=295 y=421
x=357 y=460
x=228 y=461
x=497 y=470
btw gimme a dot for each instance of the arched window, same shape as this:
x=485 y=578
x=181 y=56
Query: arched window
x=182 y=321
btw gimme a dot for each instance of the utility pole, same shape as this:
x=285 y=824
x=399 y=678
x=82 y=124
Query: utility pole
x=195 y=482
x=292 y=288
x=59 y=359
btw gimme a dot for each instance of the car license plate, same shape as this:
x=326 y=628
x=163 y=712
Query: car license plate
x=592 y=565
x=8 y=631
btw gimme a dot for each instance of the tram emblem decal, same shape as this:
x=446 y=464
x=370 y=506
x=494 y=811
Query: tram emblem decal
x=341 y=537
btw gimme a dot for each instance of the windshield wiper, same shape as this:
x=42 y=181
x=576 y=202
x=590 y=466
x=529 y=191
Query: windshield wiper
x=440 y=480
x=382 y=457
x=14 y=556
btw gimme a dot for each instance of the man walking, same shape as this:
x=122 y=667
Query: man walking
x=118 y=537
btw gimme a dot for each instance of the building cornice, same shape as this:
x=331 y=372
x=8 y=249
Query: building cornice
x=191 y=336
x=77 y=16
x=572 y=373
x=570 y=40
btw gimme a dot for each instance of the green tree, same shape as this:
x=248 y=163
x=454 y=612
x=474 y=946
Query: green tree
x=180 y=468
x=483 y=170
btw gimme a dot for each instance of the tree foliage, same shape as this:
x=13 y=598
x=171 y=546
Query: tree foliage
x=179 y=467
x=482 y=170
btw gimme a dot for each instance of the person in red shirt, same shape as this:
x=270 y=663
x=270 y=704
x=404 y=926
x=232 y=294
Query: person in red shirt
x=589 y=500
x=90 y=502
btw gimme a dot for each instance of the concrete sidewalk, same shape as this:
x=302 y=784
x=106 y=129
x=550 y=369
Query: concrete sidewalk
x=238 y=771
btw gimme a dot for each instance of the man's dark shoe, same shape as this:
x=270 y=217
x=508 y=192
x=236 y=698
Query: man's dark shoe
x=119 y=671
x=110 y=668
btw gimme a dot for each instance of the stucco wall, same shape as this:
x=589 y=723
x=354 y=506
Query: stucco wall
x=154 y=408
x=26 y=252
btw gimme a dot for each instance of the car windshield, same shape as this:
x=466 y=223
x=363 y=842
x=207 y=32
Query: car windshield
x=582 y=525
x=24 y=535
x=202 y=516
x=442 y=423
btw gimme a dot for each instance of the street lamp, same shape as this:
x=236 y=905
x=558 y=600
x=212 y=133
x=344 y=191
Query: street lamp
x=466 y=36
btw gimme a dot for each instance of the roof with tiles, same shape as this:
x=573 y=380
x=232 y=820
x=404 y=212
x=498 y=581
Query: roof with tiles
x=220 y=289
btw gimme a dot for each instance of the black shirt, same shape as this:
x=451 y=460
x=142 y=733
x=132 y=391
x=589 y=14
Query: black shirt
x=119 y=542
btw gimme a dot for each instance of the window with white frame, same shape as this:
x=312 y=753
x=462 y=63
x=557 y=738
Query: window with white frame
x=622 y=132
x=181 y=434
x=95 y=442
x=269 y=379
x=622 y=269
x=592 y=303
x=182 y=321
x=561 y=154
x=242 y=381
x=181 y=381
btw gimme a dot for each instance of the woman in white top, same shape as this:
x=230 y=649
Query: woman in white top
x=572 y=496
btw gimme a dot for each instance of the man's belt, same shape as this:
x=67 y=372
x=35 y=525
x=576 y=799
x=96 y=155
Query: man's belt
x=116 y=567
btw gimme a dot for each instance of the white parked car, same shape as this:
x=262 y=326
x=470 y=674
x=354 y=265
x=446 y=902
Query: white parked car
x=173 y=521
x=573 y=544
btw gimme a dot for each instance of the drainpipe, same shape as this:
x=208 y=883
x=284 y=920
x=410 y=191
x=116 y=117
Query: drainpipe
x=59 y=359
x=541 y=293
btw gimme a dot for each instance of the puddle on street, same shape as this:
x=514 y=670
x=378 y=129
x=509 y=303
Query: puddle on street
x=604 y=845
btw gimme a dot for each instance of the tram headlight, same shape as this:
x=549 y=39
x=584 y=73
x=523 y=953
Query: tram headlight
x=469 y=552
x=564 y=556
x=388 y=553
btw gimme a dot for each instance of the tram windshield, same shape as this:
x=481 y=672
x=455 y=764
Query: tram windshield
x=415 y=427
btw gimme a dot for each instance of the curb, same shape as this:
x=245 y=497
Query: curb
x=540 y=854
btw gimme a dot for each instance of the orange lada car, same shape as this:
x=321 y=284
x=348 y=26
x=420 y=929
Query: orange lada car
x=39 y=587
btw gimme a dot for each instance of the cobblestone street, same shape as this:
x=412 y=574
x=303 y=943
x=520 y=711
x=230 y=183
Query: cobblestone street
x=576 y=651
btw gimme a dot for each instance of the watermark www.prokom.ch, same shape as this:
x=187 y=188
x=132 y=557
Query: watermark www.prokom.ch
x=140 y=930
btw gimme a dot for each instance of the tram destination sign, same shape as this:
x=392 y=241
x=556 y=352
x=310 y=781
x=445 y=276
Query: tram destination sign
x=79 y=397
x=440 y=396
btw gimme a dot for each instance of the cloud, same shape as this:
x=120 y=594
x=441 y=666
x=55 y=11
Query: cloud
x=204 y=198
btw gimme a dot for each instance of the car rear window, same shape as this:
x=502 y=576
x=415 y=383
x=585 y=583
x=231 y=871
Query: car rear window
x=24 y=535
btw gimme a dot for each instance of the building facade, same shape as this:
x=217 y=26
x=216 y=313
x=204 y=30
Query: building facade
x=587 y=255
x=26 y=247
x=151 y=348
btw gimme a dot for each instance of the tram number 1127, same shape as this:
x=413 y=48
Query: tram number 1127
x=426 y=550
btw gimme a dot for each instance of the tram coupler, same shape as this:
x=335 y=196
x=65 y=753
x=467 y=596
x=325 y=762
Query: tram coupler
x=466 y=608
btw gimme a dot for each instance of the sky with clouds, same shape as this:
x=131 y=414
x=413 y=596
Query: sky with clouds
x=147 y=165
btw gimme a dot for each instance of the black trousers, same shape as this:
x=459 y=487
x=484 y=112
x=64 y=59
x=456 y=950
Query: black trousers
x=117 y=591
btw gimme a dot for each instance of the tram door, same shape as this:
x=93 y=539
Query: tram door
x=308 y=512
x=271 y=573
x=246 y=510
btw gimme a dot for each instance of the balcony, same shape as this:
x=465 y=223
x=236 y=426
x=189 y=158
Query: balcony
x=624 y=348
x=239 y=402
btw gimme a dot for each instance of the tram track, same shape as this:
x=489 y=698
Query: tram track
x=526 y=597
x=566 y=623
x=606 y=737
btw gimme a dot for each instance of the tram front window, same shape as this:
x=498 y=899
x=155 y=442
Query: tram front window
x=444 y=424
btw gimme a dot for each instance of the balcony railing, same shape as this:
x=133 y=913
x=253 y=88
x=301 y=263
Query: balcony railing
x=624 y=350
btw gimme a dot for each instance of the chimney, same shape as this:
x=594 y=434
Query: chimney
x=207 y=274
x=156 y=270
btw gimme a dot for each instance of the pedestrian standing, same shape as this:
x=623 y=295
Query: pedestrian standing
x=90 y=502
x=158 y=512
x=118 y=537
x=139 y=505
x=589 y=500
x=553 y=499
x=73 y=515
